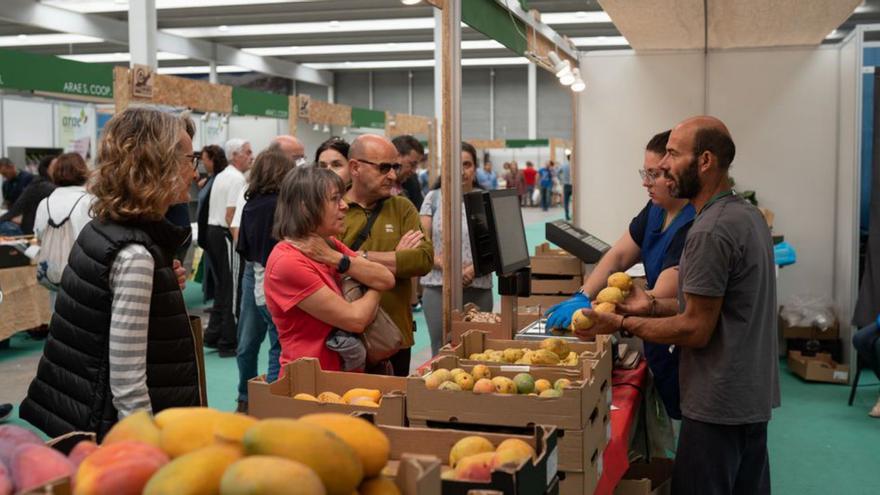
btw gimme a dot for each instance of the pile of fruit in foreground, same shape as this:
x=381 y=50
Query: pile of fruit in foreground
x=194 y=451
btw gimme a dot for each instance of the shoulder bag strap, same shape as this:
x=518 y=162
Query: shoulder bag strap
x=365 y=232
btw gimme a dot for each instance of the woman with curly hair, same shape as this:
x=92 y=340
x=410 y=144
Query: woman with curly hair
x=120 y=338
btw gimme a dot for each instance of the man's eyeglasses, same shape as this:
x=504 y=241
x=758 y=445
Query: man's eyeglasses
x=383 y=168
x=650 y=176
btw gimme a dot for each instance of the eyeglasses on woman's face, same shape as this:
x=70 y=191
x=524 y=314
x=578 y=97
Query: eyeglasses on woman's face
x=650 y=176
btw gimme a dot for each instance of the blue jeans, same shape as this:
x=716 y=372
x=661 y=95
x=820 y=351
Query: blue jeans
x=867 y=343
x=566 y=199
x=10 y=229
x=546 y=195
x=253 y=324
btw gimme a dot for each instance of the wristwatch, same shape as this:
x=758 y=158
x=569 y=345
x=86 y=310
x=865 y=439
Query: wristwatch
x=344 y=264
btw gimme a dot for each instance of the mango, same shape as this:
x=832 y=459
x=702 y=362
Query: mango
x=580 y=321
x=504 y=385
x=484 y=386
x=481 y=371
x=552 y=392
x=542 y=384
x=512 y=451
x=231 y=427
x=495 y=356
x=465 y=381
x=620 y=280
x=432 y=381
x=363 y=401
x=450 y=386
x=195 y=473
x=525 y=383
x=330 y=397
x=138 y=427
x=34 y=465
x=478 y=356
x=469 y=446
x=543 y=356
x=368 y=441
x=512 y=355
x=259 y=474
x=477 y=467
x=378 y=486
x=455 y=372
x=610 y=294
x=5 y=481
x=605 y=307
x=80 y=451
x=556 y=346
x=12 y=436
x=442 y=374
x=304 y=396
x=123 y=468
x=373 y=394
x=188 y=433
x=175 y=414
x=562 y=383
x=334 y=461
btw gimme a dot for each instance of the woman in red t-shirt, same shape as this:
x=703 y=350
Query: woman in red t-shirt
x=303 y=273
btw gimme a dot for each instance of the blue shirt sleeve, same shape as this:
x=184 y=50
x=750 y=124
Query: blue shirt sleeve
x=638 y=225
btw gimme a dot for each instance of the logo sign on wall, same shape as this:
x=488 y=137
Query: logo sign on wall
x=142 y=81
x=303 y=102
x=75 y=129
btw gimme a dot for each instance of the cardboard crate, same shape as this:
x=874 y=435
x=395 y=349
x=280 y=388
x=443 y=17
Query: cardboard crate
x=475 y=342
x=583 y=482
x=556 y=285
x=275 y=400
x=812 y=333
x=497 y=330
x=576 y=447
x=25 y=303
x=818 y=368
x=547 y=261
x=647 y=478
x=416 y=474
x=572 y=411
x=534 y=476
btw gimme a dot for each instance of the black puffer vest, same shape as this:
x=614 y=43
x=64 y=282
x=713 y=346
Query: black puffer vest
x=71 y=391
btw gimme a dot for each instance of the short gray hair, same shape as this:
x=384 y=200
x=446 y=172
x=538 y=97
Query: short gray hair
x=233 y=146
x=300 y=210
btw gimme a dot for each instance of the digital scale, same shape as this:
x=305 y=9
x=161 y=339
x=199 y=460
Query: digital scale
x=587 y=247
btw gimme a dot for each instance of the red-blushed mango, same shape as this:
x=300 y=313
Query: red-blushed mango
x=121 y=468
x=80 y=451
x=35 y=465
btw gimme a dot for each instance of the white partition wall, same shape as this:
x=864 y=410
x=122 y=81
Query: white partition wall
x=796 y=144
x=629 y=98
x=259 y=131
x=27 y=123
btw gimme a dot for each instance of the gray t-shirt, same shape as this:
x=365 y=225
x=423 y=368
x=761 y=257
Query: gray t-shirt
x=735 y=378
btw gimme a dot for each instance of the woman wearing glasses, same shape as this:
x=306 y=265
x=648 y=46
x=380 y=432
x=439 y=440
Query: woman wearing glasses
x=477 y=290
x=656 y=238
x=120 y=339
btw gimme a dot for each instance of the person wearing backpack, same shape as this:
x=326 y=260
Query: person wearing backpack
x=60 y=217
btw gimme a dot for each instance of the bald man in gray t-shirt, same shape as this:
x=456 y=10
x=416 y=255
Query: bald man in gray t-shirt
x=724 y=321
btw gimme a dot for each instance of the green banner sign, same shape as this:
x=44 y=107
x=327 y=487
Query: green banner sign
x=363 y=117
x=250 y=102
x=526 y=143
x=493 y=20
x=29 y=72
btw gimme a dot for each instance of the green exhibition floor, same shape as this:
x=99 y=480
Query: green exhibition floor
x=818 y=445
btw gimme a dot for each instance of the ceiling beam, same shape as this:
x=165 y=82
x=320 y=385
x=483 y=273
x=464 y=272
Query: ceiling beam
x=35 y=14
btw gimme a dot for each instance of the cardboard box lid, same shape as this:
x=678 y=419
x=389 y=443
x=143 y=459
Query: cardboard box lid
x=647 y=478
x=820 y=367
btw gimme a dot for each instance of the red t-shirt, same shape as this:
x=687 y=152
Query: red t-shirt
x=291 y=277
x=529 y=174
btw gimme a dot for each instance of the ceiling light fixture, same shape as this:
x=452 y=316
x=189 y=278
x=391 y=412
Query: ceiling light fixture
x=326 y=128
x=22 y=36
x=335 y=24
x=316 y=127
x=578 y=85
x=560 y=67
x=567 y=79
x=223 y=27
x=410 y=2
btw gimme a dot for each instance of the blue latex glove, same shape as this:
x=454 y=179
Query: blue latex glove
x=559 y=315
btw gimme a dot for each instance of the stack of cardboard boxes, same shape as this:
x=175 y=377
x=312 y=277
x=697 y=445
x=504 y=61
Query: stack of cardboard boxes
x=556 y=275
x=814 y=354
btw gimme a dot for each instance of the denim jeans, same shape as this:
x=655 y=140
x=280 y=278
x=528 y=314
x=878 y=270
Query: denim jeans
x=546 y=196
x=10 y=229
x=566 y=199
x=253 y=324
x=867 y=343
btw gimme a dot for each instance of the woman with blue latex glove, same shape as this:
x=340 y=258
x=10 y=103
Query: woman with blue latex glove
x=656 y=238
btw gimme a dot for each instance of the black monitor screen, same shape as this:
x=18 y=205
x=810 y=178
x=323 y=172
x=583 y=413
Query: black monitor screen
x=513 y=252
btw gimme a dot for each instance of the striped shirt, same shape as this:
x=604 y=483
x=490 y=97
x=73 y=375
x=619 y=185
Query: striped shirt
x=131 y=283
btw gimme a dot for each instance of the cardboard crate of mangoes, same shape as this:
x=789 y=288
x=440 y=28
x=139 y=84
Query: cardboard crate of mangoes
x=504 y=395
x=478 y=347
